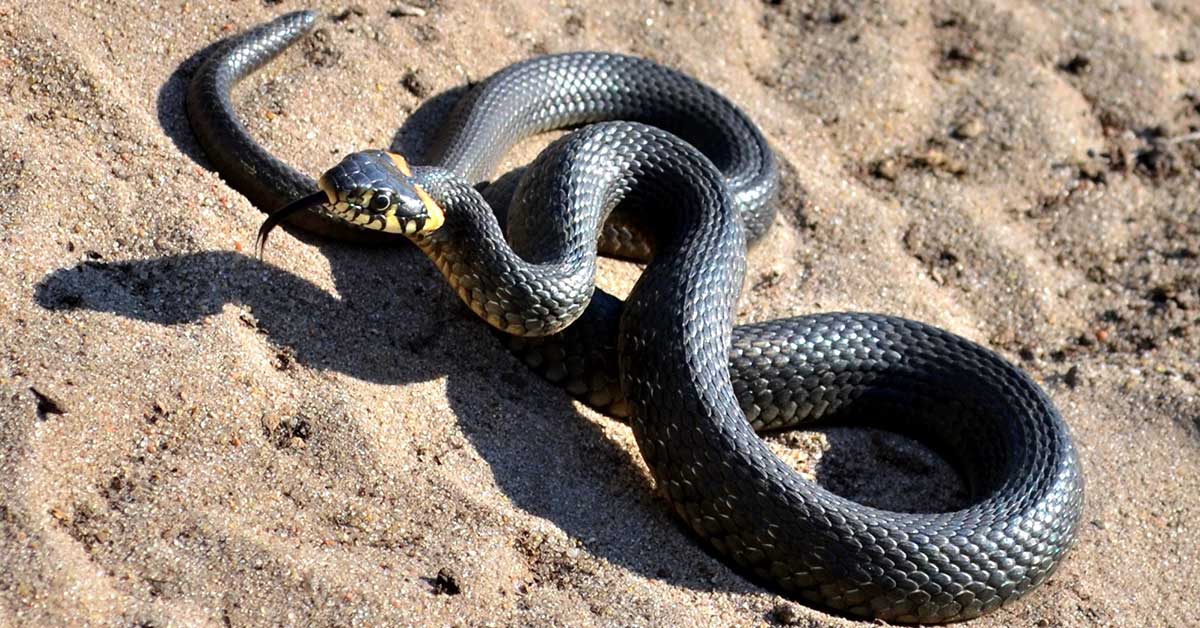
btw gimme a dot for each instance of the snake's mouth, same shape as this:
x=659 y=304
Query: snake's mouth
x=373 y=190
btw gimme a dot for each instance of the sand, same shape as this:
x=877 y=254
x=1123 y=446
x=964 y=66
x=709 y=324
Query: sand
x=189 y=436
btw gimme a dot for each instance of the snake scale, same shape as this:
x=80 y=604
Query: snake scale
x=666 y=169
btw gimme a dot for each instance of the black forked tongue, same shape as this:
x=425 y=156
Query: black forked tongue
x=279 y=216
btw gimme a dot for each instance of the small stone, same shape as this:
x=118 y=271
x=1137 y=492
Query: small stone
x=933 y=158
x=968 y=129
x=885 y=169
x=1185 y=56
x=403 y=9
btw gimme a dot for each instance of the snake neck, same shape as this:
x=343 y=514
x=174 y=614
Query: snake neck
x=523 y=296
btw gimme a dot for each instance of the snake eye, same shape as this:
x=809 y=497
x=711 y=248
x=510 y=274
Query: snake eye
x=380 y=202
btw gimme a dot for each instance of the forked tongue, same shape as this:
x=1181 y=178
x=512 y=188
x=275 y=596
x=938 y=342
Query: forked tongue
x=279 y=216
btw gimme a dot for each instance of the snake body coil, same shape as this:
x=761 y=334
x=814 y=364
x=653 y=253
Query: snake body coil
x=686 y=169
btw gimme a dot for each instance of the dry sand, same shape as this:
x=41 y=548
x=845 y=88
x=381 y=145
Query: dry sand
x=191 y=437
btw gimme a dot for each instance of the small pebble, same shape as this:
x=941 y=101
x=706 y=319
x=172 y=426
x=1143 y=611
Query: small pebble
x=968 y=129
x=885 y=169
x=932 y=158
x=403 y=9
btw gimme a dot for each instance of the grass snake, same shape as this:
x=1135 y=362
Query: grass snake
x=667 y=170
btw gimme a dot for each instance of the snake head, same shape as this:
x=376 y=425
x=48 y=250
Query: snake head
x=374 y=189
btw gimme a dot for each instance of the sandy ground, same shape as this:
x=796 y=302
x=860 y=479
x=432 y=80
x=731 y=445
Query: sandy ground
x=191 y=437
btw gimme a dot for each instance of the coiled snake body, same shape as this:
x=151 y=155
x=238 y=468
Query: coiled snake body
x=690 y=178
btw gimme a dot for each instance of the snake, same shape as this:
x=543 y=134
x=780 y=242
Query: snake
x=660 y=168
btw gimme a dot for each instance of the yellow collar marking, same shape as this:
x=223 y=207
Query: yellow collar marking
x=436 y=215
x=401 y=164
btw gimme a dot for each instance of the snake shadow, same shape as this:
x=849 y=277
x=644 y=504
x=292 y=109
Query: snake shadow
x=548 y=458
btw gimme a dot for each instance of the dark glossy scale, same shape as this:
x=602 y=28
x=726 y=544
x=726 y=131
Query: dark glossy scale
x=669 y=356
